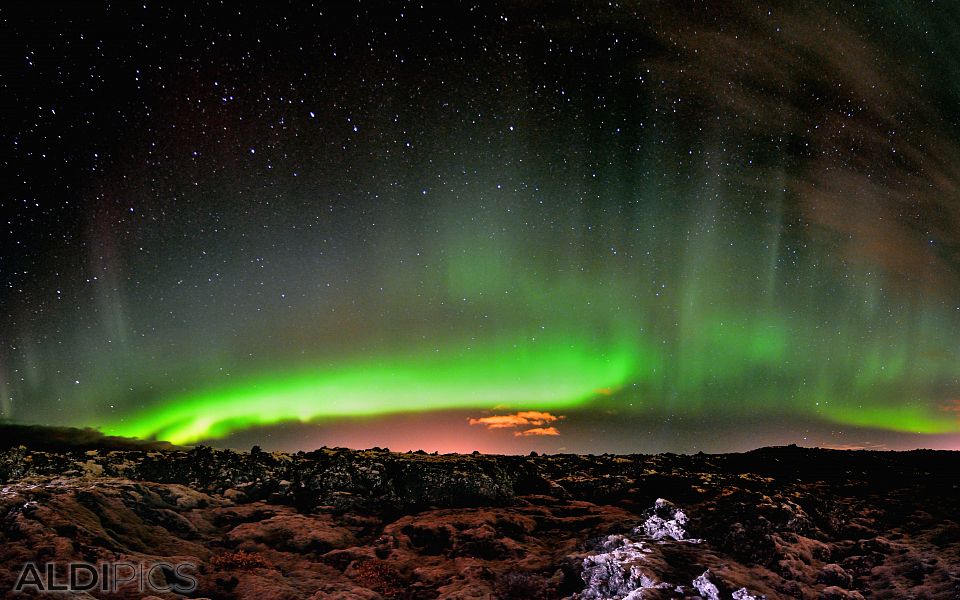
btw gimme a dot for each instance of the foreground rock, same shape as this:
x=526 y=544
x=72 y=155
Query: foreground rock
x=342 y=524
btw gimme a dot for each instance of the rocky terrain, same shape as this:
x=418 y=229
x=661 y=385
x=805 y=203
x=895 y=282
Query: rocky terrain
x=782 y=522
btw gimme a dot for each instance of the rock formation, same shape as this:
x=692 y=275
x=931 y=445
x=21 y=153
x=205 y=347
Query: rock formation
x=782 y=522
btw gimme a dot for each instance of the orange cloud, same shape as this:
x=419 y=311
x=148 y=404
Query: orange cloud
x=538 y=418
x=537 y=431
x=528 y=418
x=500 y=421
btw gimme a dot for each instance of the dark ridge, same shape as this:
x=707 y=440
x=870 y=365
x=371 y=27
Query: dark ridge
x=65 y=439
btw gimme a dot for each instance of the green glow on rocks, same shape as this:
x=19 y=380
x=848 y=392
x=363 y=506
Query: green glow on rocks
x=529 y=375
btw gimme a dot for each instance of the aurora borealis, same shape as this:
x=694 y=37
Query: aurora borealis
x=679 y=226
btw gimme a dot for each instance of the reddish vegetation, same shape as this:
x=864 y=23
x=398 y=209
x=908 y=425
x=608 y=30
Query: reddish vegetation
x=240 y=560
x=343 y=525
x=381 y=577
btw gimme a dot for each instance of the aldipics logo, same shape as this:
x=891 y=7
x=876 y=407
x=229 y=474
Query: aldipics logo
x=107 y=577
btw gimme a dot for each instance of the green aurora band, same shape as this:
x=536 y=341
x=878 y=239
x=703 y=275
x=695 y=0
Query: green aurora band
x=524 y=375
x=521 y=376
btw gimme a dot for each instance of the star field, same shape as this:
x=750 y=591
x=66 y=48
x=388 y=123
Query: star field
x=664 y=226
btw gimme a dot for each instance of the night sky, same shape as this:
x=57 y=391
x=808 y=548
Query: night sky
x=503 y=226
